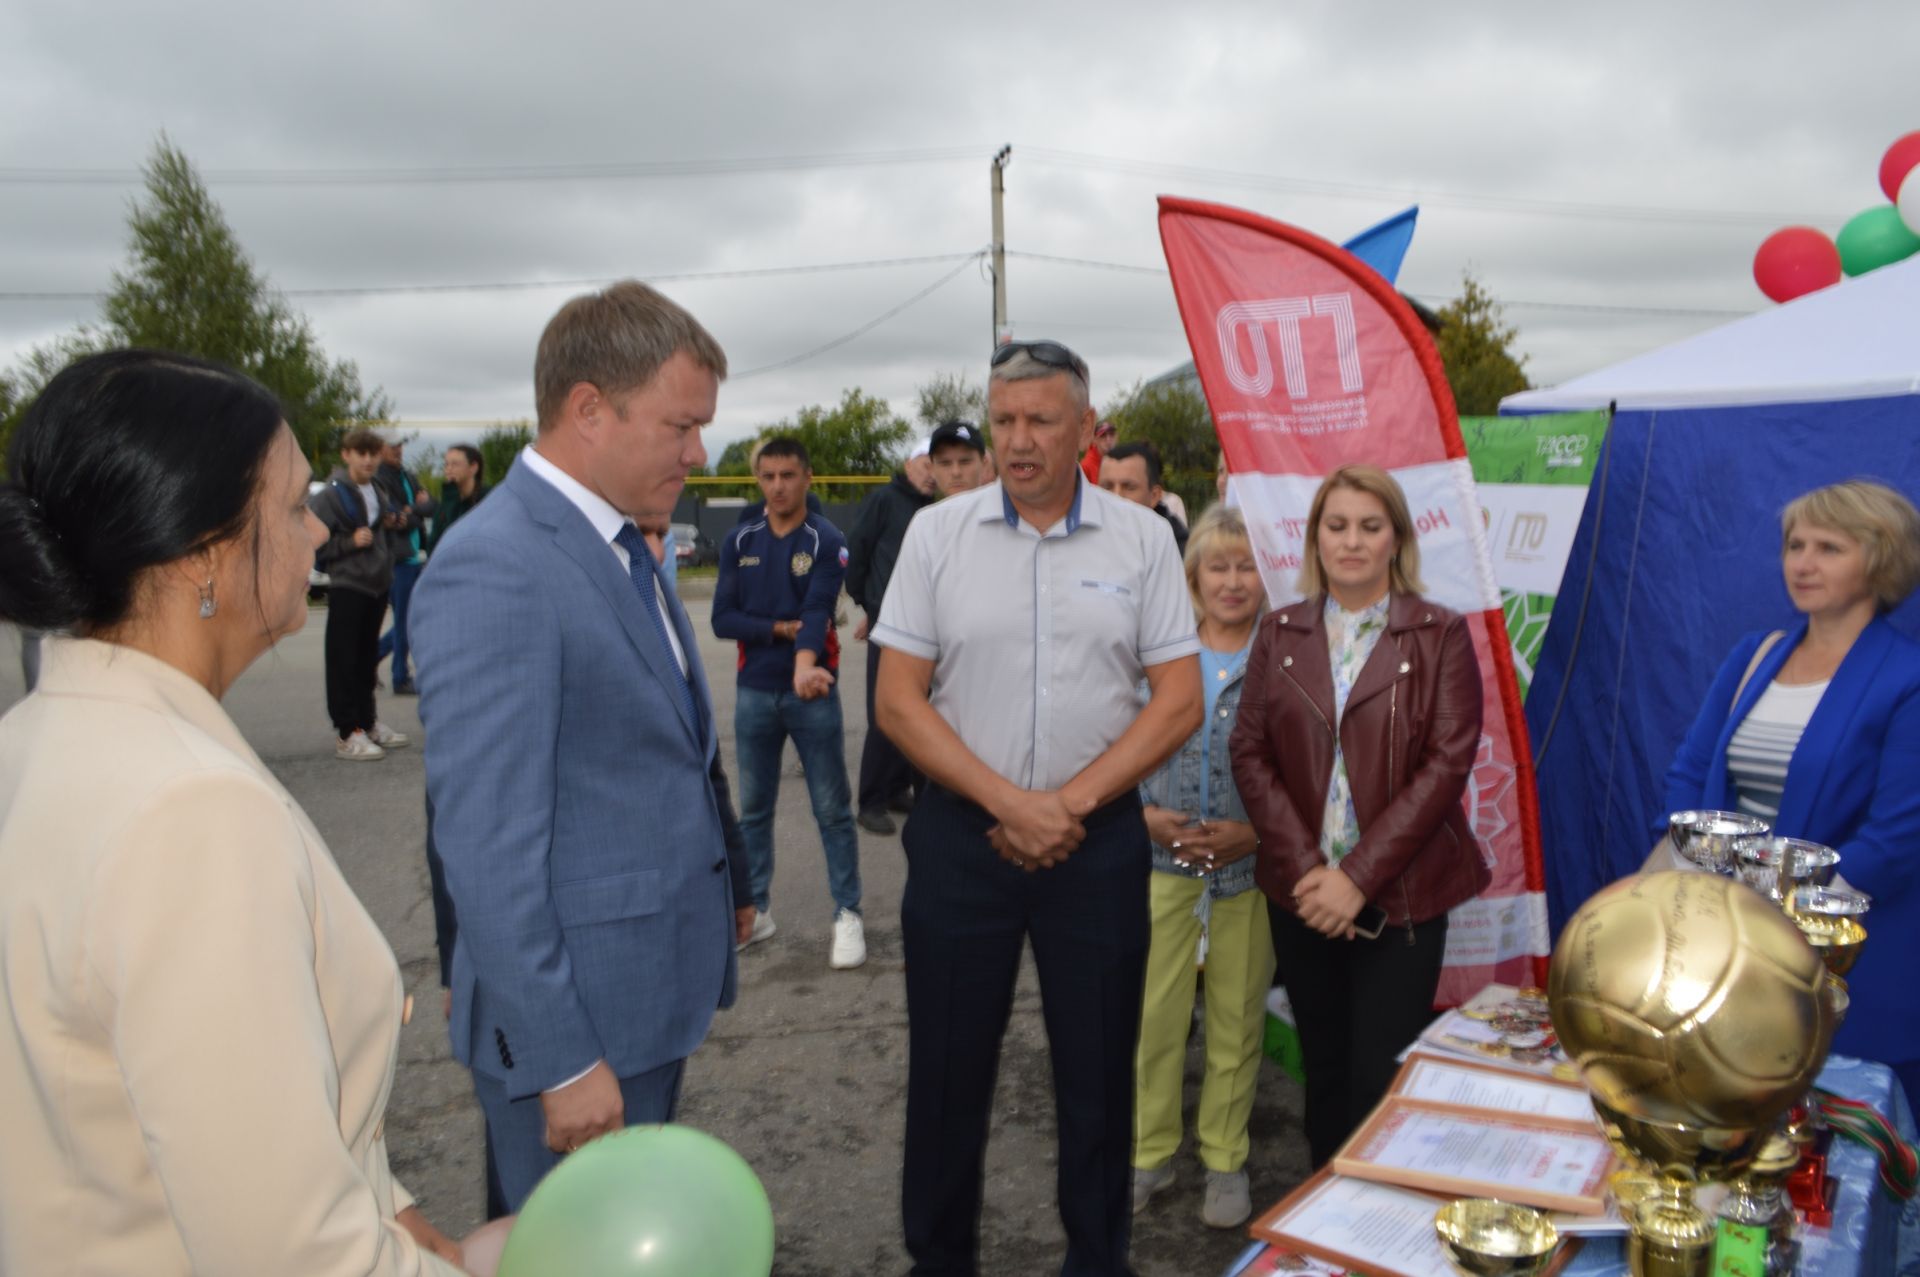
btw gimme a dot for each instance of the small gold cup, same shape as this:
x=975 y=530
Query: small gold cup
x=1829 y=918
x=1484 y=1237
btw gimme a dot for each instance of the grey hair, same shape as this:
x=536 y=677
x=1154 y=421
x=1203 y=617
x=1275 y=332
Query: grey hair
x=1022 y=366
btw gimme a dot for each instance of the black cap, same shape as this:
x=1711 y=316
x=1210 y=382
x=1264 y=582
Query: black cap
x=956 y=432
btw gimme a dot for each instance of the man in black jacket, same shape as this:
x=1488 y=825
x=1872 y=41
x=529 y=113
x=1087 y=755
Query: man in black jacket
x=886 y=777
x=357 y=557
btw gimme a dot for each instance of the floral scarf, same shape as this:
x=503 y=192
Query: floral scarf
x=1351 y=638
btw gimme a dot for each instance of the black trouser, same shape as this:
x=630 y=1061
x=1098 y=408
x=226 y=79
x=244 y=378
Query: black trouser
x=965 y=916
x=885 y=773
x=353 y=650
x=1357 y=1003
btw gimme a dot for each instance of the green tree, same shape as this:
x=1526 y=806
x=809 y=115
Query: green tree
x=499 y=445
x=9 y=411
x=950 y=397
x=733 y=458
x=1173 y=416
x=859 y=435
x=35 y=370
x=189 y=286
x=1477 y=349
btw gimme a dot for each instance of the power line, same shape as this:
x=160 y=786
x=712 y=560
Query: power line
x=1601 y=307
x=871 y=324
x=373 y=290
x=621 y=171
x=1423 y=195
x=640 y=170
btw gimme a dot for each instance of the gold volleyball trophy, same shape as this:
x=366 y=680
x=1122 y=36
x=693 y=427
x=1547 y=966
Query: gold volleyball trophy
x=1697 y=1016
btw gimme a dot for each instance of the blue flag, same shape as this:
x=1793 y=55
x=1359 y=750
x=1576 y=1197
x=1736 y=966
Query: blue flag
x=1384 y=246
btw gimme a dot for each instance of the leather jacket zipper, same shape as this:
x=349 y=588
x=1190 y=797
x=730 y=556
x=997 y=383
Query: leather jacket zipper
x=1393 y=714
x=1295 y=683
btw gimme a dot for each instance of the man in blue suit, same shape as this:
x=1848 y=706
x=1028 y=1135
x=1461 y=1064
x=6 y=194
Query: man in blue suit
x=572 y=749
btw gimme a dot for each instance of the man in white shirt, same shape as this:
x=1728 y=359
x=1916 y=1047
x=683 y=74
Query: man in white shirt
x=1019 y=620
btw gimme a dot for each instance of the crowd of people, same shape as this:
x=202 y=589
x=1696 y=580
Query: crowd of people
x=1110 y=745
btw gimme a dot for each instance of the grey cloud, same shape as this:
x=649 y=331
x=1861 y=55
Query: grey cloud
x=1771 y=107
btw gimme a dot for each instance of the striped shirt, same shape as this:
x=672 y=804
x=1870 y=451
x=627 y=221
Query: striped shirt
x=1762 y=746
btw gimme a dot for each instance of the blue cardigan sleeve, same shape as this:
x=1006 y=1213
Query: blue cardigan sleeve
x=1883 y=856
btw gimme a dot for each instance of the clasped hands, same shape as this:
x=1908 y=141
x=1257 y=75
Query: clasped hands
x=1200 y=845
x=1327 y=901
x=1039 y=828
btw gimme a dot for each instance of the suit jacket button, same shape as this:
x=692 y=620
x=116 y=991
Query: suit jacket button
x=1283 y=618
x=1405 y=666
x=1286 y=661
x=719 y=865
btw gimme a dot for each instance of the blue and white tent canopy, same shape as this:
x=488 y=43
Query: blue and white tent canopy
x=1678 y=549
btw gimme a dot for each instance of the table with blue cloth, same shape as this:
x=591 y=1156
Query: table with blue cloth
x=1874 y=1234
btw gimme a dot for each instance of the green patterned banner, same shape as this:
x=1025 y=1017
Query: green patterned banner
x=1532 y=474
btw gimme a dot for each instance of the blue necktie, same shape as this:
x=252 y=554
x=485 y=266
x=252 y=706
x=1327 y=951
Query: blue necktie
x=641 y=567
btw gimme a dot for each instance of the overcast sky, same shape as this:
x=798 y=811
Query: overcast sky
x=1607 y=170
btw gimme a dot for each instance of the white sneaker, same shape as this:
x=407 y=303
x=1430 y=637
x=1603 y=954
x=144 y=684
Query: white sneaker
x=1148 y=1183
x=849 y=941
x=763 y=929
x=1229 y=1202
x=358 y=749
x=386 y=738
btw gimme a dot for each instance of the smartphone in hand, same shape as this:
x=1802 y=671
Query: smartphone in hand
x=1372 y=920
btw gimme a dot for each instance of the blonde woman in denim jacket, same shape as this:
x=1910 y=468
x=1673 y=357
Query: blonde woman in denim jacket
x=1203 y=885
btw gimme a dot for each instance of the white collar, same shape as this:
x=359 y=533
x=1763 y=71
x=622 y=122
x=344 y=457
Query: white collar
x=606 y=520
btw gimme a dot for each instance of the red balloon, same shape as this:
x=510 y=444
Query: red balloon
x=1901 y=159
x=1795 y=261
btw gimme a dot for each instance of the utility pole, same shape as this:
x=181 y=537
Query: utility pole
x=1001 y=333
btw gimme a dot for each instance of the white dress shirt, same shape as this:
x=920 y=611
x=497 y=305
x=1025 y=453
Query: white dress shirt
x=606 y=521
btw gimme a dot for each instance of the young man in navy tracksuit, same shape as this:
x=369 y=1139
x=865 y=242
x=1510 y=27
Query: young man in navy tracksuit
x=780 y=578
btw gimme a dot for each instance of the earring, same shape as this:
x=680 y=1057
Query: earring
x=207 y=608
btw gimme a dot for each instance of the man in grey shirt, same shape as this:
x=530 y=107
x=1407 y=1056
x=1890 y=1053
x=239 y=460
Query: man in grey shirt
x=1019 y=619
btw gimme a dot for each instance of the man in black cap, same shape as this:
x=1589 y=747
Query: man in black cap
x=958 y=452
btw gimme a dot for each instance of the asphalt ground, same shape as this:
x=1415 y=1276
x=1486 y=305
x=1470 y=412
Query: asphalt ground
x=805 y=1076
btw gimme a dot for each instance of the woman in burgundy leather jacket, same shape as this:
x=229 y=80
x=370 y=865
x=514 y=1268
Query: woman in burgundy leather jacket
x=1359 y=723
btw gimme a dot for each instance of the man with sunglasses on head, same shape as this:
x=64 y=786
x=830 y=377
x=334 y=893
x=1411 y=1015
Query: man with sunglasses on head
x=1019 y=620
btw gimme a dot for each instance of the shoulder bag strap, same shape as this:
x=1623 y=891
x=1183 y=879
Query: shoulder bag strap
x=1760 y=653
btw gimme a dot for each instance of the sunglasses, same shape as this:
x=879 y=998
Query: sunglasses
x=1050 y=353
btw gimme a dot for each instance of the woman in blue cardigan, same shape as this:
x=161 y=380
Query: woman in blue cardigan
x=1817 y=729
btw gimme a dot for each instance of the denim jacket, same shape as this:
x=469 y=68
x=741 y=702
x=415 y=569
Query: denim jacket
x=1177 y=785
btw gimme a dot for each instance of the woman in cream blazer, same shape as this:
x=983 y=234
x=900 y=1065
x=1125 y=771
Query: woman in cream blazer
x=200 y=1018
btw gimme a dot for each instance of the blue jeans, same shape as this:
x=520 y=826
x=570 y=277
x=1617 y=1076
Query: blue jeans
x=395 y=639
x=762 y=722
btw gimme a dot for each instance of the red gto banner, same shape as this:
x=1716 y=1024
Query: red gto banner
x=1310 y=361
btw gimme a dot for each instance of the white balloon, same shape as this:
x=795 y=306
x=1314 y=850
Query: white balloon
x=1909 y=200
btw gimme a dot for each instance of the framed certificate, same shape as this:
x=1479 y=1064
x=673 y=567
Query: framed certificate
x=1549 y=1162
x=1451 y=1080
x=1362 y=1226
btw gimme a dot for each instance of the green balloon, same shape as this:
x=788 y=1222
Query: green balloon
x=1873 y=239
x=649 y=1201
